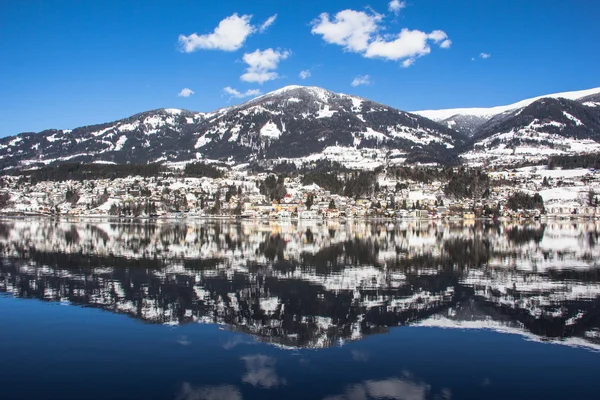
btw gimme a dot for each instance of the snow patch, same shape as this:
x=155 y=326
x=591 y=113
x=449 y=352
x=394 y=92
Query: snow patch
x=572 y=118
x=202 y=141
x=270 y=130
x=325 y=112
x=119 y=144
x=129 y=127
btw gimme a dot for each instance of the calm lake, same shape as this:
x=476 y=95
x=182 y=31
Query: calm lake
x=204 y=310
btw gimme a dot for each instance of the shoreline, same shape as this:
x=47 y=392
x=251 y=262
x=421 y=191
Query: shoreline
x=172 y=218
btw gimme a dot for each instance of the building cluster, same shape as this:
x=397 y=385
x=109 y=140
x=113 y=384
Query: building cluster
x=565 y=194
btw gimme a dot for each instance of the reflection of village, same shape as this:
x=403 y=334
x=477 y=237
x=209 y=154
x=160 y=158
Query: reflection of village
x=317 y=284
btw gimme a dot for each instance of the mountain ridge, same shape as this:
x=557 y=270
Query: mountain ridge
x=292 y=122
x=442 y=114
x=300 y=124
x=469 y=120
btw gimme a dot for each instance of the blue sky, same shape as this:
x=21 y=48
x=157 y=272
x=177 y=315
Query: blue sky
x=67 y=63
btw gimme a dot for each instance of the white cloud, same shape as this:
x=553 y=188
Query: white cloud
x=349 y=28
x=185 y=92
x=267 y=23
x=396 y=5
x=408 y=44
x=240 y=95
x=230 y=35
x=262 y=65
x=358 y=32
x=305 y=74
x=361 y=80
x=485 y=55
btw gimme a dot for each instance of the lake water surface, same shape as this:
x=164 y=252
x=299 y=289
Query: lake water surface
x=266 y=310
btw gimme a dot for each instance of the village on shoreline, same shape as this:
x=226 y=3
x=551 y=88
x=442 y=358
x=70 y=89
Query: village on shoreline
x=531 y=192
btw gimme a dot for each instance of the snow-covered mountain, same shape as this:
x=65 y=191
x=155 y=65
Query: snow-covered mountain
x=468 y=120
x=549 y=126
x=291 y=122
x=297 y=121
x=157 y=135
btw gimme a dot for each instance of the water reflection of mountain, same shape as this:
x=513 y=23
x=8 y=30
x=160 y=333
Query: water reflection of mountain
x=317 y=285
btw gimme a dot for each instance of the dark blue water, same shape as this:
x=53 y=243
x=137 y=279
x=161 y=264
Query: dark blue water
x=73 y=326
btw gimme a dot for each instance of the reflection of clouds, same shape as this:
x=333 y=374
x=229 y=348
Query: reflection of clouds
x=260 y=371
x=183 y=340
x=396 y=388
x=359 y=355
x=446 y=394
x=392 y=388
x=230 y=344
x=223 y=392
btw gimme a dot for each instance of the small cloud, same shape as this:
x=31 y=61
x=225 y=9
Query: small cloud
x=262 y=65
x=361 y=80
x=446 y=44
x=396 y=5
x=305 y=74
x=185 y=92
x=263 y=28
x=240 y=95
x=485 y=55
x=408 y=62
x=229 y=35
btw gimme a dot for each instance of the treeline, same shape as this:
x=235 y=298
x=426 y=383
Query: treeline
x=272 y=187
x=420 y=174
x=461 y=183
x=578 y=161
x=524 y=201
x=201 y=170
x=326 y=180
x=465 y=183
x=360 y=184
x=290 y=169
x=134 y=209
x=80 y=172
x=355 y=184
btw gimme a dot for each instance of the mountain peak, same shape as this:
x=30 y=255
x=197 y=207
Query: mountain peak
x=291 y=90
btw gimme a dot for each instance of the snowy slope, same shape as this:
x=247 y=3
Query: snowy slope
x=156 y=135
x=468 y=119
x=440 y=115
x=546 y=127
